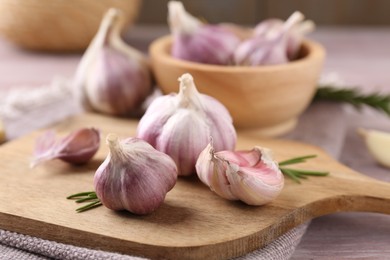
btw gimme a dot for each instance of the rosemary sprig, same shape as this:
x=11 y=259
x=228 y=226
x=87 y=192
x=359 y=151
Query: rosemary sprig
x=297 y=174
x=353 y=96
x=89 y=196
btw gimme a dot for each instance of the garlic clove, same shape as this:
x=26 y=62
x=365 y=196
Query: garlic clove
x=112 y=77
x=250 y=176
x=181 y=125
x=378 y=144
x=134 y=176
x=197 y=42
x=77 y=148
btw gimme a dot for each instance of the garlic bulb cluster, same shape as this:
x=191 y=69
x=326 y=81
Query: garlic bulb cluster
x=77 y=148
x=134 y=176
x=181 y=125
x=198 y=42
x=250 y=176
x=273 y=41
x=112 y=77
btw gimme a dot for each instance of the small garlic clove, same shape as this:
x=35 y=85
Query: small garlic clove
x=197 y=42
x=134 y=176
x=112 y=77
x=250 y=176
x=181 y=125
x=76 y=148
x=378 y=145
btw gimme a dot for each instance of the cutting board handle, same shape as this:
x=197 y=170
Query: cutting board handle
x=368 y=195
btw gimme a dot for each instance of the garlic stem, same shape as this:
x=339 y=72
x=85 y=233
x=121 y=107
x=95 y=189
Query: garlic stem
x=179 y=20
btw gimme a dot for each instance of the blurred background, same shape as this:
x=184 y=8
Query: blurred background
x=331 y=12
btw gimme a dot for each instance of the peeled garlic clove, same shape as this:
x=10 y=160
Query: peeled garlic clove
x=197 y=42
x=271 y=43
x=77 y=148
x=378 y=144
x=112 y=77
x=181 y=125
x=134 y=176
x=250 y=176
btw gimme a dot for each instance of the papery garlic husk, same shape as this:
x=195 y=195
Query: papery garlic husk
x=77 y=148
x=112 y=77
x=198 y=42
x=273 y=42
x=250 y=176
x=134 y=176
x=181 y=125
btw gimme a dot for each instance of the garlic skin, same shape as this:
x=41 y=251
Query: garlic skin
x=250 y=176
x=112 y=77
x=198 y=42
x=273 y=41
x=181 y=125
x=76 y=148
x=134 y=176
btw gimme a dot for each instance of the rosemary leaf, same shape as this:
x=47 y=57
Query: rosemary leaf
x=296 y=160
x=86 y=199
x=353 y=96
x=290 y=174
x=311 y=173
x=80 y=194
x=89 y=206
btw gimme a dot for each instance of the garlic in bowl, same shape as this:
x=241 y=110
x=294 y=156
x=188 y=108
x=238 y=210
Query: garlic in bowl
x=266 y=100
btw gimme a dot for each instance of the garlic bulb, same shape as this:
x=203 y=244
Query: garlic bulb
x=250 y=176
x=77 y=148
x=197 y=42
x=181 y=125
x=273 y=41
x=112 y=77
x=134 y=176
x=295 y=35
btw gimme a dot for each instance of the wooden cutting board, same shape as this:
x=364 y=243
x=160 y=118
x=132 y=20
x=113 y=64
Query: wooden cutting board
x=193 y=223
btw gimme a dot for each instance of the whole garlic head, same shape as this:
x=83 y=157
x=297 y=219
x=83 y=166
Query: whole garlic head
x=181 y=125
x=198 y=42
x=134 y=176
x=250 y=176
x=274 y=41
x=112 y=77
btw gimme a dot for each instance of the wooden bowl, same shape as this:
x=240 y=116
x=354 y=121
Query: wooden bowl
x=263 y=100
x=60 y=25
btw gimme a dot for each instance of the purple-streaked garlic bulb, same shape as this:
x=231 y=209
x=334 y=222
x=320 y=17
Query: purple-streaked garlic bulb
x=198 y=42
x=134 y=176
x=295 y=35
x=250 y=176
x=273 y=42
x=181 y=125
x=112 y=77
x=76 y=148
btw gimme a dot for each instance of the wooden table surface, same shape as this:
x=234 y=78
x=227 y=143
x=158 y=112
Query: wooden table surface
x=360 y=56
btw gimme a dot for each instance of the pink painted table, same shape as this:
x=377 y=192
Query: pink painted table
x=359 y=56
